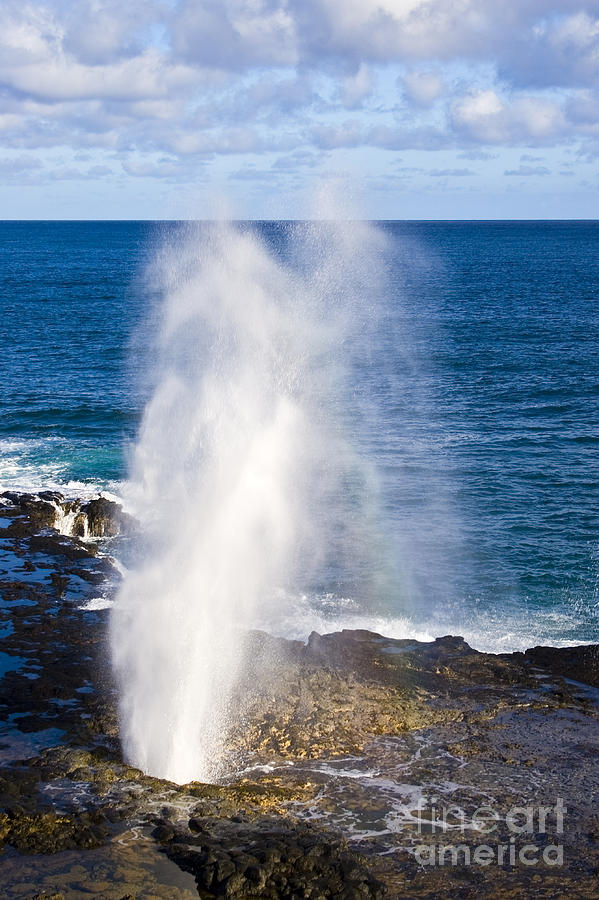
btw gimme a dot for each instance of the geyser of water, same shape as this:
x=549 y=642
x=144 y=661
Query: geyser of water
x=238 y=469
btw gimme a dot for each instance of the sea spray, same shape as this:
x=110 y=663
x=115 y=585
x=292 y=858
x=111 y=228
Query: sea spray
x=243 y=476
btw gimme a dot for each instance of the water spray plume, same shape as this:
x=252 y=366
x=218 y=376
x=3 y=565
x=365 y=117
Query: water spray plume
x=240 y=471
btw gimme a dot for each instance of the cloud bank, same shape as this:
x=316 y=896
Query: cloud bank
x=158 y=88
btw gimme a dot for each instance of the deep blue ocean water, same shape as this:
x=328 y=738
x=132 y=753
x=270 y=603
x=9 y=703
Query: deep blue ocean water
x=485 y=378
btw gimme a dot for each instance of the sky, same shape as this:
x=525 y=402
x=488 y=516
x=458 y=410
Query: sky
x=411 y=109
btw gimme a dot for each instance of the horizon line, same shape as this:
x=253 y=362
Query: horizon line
x=273 y=220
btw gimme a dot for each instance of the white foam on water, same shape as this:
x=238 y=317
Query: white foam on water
x=24 y=467
x=97 y=603
x=296 y=616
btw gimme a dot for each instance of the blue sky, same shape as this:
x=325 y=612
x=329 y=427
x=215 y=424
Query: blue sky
x=414 y=108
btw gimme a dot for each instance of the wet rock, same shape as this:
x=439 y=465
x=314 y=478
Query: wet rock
x=19 y=788
x=272 y=859
x=51 y=496
x=436 y=715
x=45 y=896
x=59 y=582
x=331 y=696
x=97 y=518
x=47 y=832
x=18 y=499
x=106 y=518
x=163 y=833
x=39 y=512
x=578 y=663
x=58 y=544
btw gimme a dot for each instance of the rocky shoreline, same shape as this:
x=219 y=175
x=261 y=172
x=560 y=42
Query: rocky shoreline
x=357 y=762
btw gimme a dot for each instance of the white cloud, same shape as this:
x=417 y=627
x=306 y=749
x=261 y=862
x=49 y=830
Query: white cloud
x=234 y=34
x=353 y=133
x=485 y=117
x=528 y=171
x=155 y=80
x=557 y=51
x=17 y=164
x=356 y=87
x=478 y=155
x=100 y=31
x=423 y=88
x=165 y=168
x=142 y=77
x=297 y=160
x=451 y=173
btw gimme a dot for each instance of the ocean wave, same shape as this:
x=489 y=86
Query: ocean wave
x=31 y=465
x=483 y=630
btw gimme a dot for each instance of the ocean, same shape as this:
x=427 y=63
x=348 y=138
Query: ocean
x=476 y=405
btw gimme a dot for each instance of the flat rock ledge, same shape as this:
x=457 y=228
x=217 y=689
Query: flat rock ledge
x=343 y=760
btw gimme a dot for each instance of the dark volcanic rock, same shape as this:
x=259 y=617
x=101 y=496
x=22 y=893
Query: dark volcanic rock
x=271 y=858
x=97 y=518
x=578 y=663
x=47 y=832
x=332 y=745
x=331 y=696
x=72 y=548
x=40 y=511
x=106 y=518
x=51 y=496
